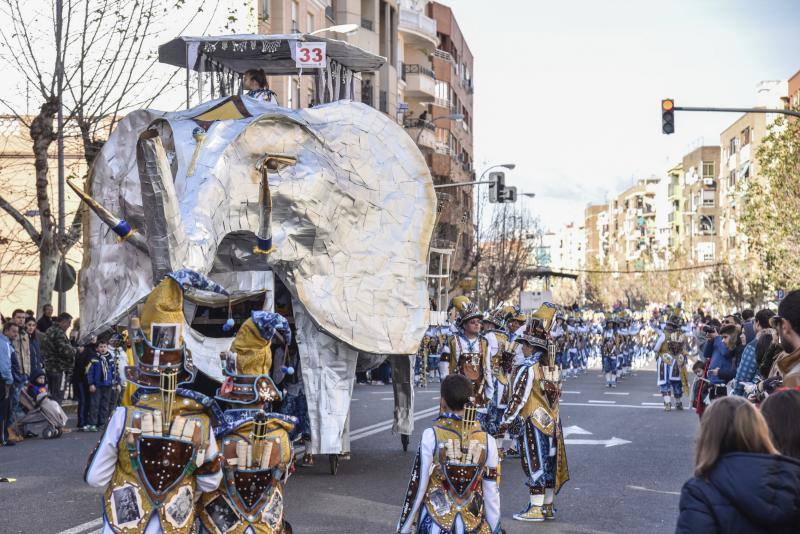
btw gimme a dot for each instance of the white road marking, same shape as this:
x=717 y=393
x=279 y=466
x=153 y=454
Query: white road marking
x=652 y=404
x=571 y=392
x=640 y=488
x=606 y=405
x=616 y=393
x=575 y=430
x=86 y=526
x=607 y=442
x=387 y=398
x=386 y=425
x=602 y=402
x=656 y=394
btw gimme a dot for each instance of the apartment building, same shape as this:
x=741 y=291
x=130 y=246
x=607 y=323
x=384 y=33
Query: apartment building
x=700 y=205
x=450 y=158
x=793 y=91
x=738 y=165
x=632 y=226
x=595 y=224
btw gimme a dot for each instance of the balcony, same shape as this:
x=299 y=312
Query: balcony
x=421 y=131
x=418 y=29
x=420 y=81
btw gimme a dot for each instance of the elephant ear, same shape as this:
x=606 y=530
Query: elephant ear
x=353 y=229
x=114 y=275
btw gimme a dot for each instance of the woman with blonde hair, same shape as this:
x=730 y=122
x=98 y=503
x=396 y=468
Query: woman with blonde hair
x=741 y=484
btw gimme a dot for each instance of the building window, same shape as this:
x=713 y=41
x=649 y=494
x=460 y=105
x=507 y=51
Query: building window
x=265 y=9
x=734 y=143
x=708 y=197
x=746 y=136
x=295 y=14
x=442 y=94
x=309 y=23
x=706 y=225
x=708 y=169
x=732 y=179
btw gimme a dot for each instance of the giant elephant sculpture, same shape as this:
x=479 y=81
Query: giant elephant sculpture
x=341 y=190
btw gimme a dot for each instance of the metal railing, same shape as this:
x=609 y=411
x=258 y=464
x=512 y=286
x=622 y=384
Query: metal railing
x=419 y=123
x=417 y=69
x=442 y=54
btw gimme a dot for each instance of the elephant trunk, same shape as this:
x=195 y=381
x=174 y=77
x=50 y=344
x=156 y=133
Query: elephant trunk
x=166 y=239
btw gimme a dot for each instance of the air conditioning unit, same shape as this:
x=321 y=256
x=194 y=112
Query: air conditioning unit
x=708 y=182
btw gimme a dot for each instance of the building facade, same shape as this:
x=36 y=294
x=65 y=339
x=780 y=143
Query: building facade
x=633 y=226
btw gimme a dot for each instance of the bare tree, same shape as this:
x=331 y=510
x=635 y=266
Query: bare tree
x=105 y=52
x=507 y=250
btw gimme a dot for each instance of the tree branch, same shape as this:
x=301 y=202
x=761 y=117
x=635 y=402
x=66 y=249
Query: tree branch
x=20 y=218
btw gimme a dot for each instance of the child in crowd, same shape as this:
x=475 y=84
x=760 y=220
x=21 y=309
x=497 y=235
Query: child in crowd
x=103 y=379
x=37 y=385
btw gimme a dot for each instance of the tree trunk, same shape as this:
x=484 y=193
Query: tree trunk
x=49 y=259
x=43 y=135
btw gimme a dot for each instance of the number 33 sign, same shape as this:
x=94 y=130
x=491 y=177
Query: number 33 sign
x=310 y=55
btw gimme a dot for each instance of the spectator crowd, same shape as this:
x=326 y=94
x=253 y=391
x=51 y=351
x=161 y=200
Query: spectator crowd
x=43 y=365
x=747 y=394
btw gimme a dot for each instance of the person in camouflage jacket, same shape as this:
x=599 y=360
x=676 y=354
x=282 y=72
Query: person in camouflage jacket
x=59 y=355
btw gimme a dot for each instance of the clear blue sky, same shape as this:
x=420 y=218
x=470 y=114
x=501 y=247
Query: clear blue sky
x=570 y=90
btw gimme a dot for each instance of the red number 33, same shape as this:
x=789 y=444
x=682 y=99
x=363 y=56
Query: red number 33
x=311 y=55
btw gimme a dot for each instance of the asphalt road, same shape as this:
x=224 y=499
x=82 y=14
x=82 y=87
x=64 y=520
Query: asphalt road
x=625 y=485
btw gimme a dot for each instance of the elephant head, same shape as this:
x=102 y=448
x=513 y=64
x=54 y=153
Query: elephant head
x=342 y=191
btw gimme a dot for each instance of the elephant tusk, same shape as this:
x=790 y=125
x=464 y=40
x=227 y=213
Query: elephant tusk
x=264 y=237
x=117 y=225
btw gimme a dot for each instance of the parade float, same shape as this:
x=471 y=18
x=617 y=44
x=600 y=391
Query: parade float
x=322 y=214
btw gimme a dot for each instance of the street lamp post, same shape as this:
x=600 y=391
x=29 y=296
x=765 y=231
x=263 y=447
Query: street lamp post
x=451 y=117
x=509 y=166
x=342 y=28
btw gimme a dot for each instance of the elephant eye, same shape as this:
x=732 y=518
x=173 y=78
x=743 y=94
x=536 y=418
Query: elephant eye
x=275 y=163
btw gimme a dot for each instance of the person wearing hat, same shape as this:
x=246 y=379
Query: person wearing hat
x=558 y=336
x=468 y=353
x=257 y=454
x=533 y=412
x=671 y=363
x=501 y=355
x=158 y=453
x=611 y=344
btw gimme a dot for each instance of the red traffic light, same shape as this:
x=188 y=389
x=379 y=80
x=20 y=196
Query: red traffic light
x=667 y=104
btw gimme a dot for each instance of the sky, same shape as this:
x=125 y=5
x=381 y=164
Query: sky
x=570 y=90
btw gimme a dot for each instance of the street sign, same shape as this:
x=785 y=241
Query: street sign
x=402 y=107
x=310 y=55
x=781 y=294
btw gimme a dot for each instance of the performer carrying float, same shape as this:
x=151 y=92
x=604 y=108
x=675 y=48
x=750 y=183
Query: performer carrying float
x=534 y=411
x=454 y=482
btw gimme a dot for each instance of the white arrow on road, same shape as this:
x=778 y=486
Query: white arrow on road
x=607 y=442
x=575 y=430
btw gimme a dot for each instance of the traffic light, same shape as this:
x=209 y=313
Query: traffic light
x=497 y=187
x=667 y=116
x=498 y=190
